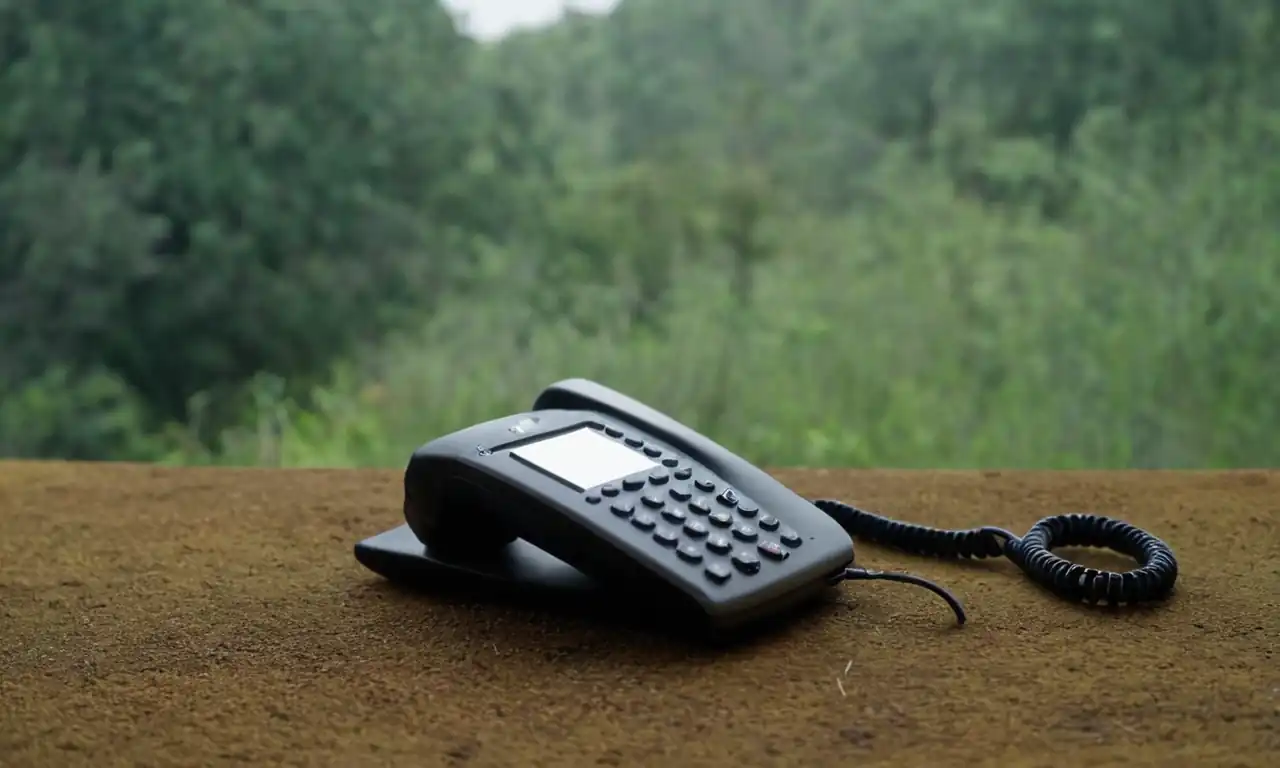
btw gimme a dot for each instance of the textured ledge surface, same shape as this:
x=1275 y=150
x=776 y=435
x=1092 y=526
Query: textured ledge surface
x=154 y=616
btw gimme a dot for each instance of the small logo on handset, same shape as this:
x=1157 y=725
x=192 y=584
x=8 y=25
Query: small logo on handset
x=523 y=426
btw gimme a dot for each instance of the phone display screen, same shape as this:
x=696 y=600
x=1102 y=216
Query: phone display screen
x=583 y=458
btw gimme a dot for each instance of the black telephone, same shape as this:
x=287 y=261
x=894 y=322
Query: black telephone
x=593 y=495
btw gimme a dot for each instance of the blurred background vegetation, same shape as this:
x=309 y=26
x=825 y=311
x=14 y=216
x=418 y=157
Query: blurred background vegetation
x=1019 y=233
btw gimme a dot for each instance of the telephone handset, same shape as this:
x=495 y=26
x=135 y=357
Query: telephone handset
x=592 y=494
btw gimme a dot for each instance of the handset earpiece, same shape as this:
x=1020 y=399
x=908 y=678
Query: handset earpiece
x=452 y=515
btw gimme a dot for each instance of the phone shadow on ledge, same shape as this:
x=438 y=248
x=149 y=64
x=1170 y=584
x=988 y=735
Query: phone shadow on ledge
x=525 y=578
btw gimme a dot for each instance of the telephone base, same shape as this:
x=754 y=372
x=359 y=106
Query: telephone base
x=519 y=569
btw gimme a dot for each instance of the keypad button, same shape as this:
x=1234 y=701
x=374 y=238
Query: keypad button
x=673 y=514
x=718 y=573
x=721 y=519
x=658 y=477
x=746 y=562
x=769 y=522
x=653 y=502
x=719 y=545
x=633 y=484
x=609 y=490
x=690 y=553
x=699 y=507
x=745 y=533
x=613 y=432
x=728 y=498
x=790 y=538
x=652 y=452
x=644 y=521
x=772 y=550
x=592 y=498
x=704 y=485
x=747 y=509
x=666 y=537
x=681 y=494
x=684 y=474
x=634 y=442
x=695 y=529
x=622 y=509
x=670 y=461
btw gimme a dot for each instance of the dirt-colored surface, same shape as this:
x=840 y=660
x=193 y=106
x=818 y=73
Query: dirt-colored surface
x=200 y=617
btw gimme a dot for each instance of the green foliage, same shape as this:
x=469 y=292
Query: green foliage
x=827 y=232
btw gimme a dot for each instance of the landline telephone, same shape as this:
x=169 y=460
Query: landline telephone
x=594 y=495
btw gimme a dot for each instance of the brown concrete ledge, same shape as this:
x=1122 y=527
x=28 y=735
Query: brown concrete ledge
x=155 y=616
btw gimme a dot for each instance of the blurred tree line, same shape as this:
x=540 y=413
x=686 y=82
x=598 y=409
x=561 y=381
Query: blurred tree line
x=1031 y=221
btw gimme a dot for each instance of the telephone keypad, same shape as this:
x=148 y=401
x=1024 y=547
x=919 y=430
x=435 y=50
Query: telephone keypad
x=738 y=523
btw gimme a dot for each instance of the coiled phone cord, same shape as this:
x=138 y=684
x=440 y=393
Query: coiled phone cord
x=1152 y=580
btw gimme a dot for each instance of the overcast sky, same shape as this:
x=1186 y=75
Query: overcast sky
x=490 y=19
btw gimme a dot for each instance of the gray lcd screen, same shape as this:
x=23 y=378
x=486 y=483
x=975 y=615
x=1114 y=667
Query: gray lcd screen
x=583 y=458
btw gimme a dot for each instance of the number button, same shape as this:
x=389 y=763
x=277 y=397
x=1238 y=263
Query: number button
x=633 y=484
x=658 y=477
x=670 y=461
x=644 y=521
x=772 y=551
x=746 y=562
x=790 y=538
x=666 y=537
x=695 y=529
x=719 y=545
x=680 y=494
x=652 y=452
x=622 y=509
x=609 y=490
x=634 y=442
x=699 y=507
x=744 y=533
x=728 y=498
x=689 y=553
x=704 y=485
x=592 y=498
x=652 y=502
x=674 y=515
x=718 y=573
x=684 y=473
x=747 y=509
x=769 y=522
x=721 y=519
